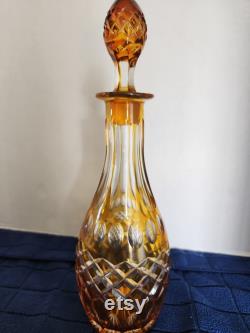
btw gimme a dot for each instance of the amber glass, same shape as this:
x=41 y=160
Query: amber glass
x=123 y=250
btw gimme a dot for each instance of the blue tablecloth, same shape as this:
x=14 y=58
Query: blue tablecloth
x=207 y=292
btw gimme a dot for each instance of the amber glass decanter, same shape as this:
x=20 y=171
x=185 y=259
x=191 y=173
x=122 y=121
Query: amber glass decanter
x=122 y=260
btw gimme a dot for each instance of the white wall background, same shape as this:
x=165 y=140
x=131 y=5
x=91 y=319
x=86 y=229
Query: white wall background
x=197 y=62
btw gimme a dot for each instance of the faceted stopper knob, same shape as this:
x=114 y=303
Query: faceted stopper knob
x=125 y=34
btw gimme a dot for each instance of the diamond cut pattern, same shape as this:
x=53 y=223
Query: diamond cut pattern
x=125 y=278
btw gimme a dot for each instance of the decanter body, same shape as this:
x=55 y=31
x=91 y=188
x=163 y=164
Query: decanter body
x=122 y=260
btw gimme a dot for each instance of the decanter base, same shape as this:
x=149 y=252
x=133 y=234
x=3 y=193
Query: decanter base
x=101 y=329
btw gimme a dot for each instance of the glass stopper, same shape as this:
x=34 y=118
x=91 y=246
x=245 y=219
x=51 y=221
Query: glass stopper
x=125 y=34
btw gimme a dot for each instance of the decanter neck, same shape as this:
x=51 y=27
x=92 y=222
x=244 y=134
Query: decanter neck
x=125 y=167
x=124 y=182
x=124 y=112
